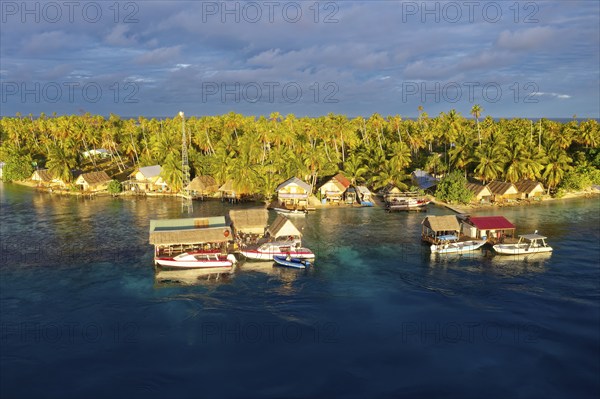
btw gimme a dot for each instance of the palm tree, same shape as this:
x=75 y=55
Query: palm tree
x=60 y=162
x=355 y=168
x=558 y=163
x=476 y=112
x=490 y=164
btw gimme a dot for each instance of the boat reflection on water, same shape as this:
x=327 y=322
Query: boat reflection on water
x=453 y=257
x=521 y=264
x=486 y=261
x=206 y=276
x=286 y=276
x=257 y=267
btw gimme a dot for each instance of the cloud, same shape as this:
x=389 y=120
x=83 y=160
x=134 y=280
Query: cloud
x=118 y=36
x=47 y=42
x=57 y=72
x=526 y=39
x=159 y=56
x=555 y=95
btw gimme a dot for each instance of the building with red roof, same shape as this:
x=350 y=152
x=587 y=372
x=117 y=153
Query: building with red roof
x=333 y=190
x=495 y=228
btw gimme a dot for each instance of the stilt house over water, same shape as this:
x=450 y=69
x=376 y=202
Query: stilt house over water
x=333 y=189
x=438 y=228
x=173 y=236
x=202 y=186
x=494 y=228
x=293 y=193
x=249 y=221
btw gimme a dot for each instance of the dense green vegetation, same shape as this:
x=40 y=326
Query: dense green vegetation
x=114 y=187
x=452 y=188
x=258 y=153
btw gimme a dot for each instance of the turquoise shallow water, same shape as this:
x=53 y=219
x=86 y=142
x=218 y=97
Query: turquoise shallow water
x=82 y=313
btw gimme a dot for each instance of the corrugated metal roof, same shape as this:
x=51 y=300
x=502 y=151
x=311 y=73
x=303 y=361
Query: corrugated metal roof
x=363 y=190
x=342 y=180
x=149 y=171
x=528 y=186
x=478 y=189
x=296 y=181
x=502 y=188
x=490 y=222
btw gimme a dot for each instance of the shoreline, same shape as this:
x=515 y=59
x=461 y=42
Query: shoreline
x=457 y=208
x=468 y=208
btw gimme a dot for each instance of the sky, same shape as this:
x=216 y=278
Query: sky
x=307 y=58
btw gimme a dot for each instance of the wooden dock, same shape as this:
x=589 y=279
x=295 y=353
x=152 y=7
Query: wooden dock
x=453 y=208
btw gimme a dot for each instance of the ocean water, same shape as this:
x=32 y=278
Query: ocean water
x=84 y=314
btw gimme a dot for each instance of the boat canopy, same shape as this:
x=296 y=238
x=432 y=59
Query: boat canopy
x=532 y=237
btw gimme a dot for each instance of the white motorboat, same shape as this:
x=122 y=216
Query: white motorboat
x=278 y=248
x=528 y=244
x=407 y=204
x=197 y=260
x=291 y=212
x=455 y=246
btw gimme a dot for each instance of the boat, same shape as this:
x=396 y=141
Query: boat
x=528 y=244
x=200 y=259
x=289 y=261
x=452 y=245
x=192 y=276
x=291 y=212
x=407 y=204
x=278 y=248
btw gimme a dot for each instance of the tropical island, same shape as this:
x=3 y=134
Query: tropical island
x=249 y=157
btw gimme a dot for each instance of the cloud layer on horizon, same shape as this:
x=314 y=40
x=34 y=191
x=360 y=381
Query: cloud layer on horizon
x=305 y=58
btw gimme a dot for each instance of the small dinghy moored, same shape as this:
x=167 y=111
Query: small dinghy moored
x=288 y=261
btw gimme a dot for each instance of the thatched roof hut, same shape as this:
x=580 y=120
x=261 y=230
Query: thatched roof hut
x=203 y=184
x=189 y=231
x=441 y=223
x=251 y=221
x=282 y=226
x=436 y=226
x=93 y=181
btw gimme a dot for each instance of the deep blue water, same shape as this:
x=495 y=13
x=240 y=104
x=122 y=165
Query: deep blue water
x=82 y=314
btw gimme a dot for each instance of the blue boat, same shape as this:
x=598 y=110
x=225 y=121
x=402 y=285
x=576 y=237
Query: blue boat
x=291 y=262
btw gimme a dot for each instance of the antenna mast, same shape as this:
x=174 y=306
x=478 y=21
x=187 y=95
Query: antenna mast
x=186 y=200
